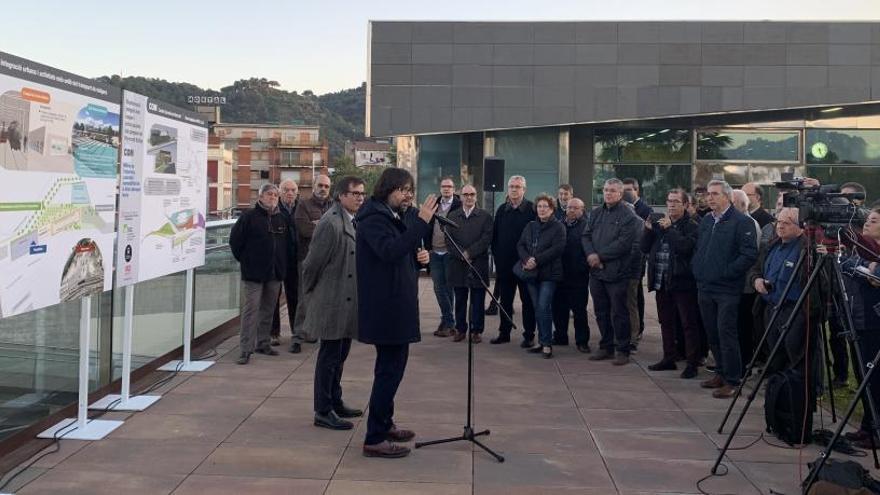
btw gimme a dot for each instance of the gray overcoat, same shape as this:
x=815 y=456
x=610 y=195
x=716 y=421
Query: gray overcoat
x=329 y=278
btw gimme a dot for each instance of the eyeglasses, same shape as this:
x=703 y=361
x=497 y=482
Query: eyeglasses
x=406 y=190
x=357 y=194
x=468 y=195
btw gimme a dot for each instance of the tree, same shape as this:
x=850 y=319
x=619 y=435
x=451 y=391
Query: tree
x=344 y=166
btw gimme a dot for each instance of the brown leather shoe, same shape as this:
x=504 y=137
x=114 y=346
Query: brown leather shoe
x=396 y=434
x=386 y=450
x=725 y=392
x=444 y=331
x=714 y=382
x=459 y=336
x=476 y=338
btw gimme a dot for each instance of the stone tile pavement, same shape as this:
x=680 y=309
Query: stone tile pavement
x=565 y=425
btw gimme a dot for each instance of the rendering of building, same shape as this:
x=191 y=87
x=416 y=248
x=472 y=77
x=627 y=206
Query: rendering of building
x=669 y=103
x=271 y=153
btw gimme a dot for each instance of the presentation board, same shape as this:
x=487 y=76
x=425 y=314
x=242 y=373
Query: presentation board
x=163 y=190
x=59 y=143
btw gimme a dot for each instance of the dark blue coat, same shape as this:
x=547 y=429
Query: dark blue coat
x=387 y=275
x=725 y=252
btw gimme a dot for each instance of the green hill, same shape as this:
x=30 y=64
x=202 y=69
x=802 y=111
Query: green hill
x=260 y=101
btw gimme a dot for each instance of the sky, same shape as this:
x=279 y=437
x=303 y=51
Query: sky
x=317 y=45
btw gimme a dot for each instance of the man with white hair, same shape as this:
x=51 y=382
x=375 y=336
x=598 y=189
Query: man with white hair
x=748 y=338
x=726 y=249
x=770 y=275
x=510 y=220
x=289 y=191
x=260 y=242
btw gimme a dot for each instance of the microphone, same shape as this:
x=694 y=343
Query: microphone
x=445 y=221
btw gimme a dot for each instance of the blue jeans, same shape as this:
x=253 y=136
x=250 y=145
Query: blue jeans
x=720 y=313
x=442 y=289
x=542 y=296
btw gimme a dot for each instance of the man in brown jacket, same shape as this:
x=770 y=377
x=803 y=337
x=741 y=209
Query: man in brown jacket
x=308 y=212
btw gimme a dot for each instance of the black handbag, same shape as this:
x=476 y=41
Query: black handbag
x=518 y=269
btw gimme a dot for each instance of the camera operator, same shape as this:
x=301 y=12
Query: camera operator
x=865 y=297
x=770 y=275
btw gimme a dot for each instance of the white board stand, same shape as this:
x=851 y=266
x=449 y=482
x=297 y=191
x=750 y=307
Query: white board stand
x=123 y=401
x=186 y=364
x=80 y=428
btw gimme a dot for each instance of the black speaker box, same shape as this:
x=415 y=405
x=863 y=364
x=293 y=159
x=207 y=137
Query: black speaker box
x=493 y=174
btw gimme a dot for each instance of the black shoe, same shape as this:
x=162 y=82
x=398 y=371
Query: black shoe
x=501 y=339
x=311 y=341
x=492 y=310
x=602 y=355
x=274 y=342
x=585 y=348
x=346 y=412
x=243 y=358
x=332 y=421
x=547 y=352
x=690 y=371
x=267 y=351
x=295 y=348
x=535 y=349
x=663 y=365
x=527 y=343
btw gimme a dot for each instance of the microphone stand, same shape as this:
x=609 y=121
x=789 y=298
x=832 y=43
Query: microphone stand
x=469 y=435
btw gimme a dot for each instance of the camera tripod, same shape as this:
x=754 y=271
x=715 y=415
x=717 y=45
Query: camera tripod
x=841 y=304
x=469 y=435
x=842 y=299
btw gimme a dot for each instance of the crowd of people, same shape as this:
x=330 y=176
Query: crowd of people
x=718 y=263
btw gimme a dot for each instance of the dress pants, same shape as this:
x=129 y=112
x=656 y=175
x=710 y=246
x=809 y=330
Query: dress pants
x=508 y=285
x=260 y=299
x=290 y=296
x=328 y=374
x=632 y=307
x=678 y=312
x=748 y=336
x=720 y=313
x=567 y=301
x=612 y=315
x=473 y=298
x=442 y=290
x=387 y=375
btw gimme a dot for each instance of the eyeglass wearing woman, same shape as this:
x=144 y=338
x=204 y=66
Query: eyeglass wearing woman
x=540 y=248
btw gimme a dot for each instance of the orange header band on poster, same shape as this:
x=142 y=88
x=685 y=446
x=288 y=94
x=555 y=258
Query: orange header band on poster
x=35 y=95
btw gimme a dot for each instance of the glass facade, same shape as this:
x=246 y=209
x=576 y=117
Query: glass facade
x=780 y=146
x=658 y=158
x=438 y=156
x=843 y=146
x=39 y=350
x=532 y=153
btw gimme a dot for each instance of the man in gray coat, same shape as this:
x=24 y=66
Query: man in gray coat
x=329 y=284
x=608 y=244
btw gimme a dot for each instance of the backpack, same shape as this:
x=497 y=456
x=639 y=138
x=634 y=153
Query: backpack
x=785 y=404
x=845 y=477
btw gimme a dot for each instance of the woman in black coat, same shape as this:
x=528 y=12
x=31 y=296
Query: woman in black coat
x=388 y=257
x=540 y=251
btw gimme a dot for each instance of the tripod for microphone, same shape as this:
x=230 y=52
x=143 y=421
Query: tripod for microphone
x=469 y=435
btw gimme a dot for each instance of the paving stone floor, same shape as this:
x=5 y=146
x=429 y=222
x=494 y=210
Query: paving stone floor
x=565 y=425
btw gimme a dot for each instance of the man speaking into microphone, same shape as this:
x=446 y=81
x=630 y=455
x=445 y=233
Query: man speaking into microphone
x=388 y=258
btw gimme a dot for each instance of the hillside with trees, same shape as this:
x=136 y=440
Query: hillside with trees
x=261 y=101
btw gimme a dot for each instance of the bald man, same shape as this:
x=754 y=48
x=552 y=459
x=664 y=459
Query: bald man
x=756 y=209
x=571 y=294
